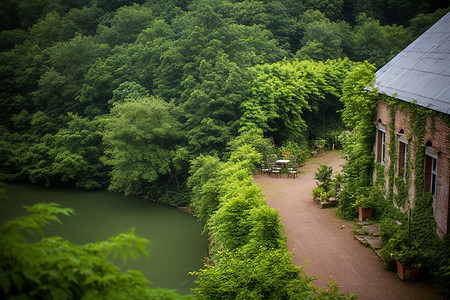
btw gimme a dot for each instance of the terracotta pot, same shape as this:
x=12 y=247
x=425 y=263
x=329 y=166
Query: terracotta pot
x=410 y=273
x=364 y=213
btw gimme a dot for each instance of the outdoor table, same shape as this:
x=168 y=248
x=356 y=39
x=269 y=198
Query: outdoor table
x=284 y=163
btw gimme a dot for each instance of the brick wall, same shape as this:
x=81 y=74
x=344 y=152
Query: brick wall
x=439 y=140
x=440 y=144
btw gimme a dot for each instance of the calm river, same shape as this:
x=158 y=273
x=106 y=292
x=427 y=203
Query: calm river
x=176 y=244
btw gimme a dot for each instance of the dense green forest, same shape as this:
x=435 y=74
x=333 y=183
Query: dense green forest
x=124 y=94
x=159 y=98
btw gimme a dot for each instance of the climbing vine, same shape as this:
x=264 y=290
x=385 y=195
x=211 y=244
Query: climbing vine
x=392 y=210
x=392 y=149
x=403 y=183
x=357 y=144
x=380 y=179
x=418 y=119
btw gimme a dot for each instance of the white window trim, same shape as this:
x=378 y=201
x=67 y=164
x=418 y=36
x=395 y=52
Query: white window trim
x=434 y=155
x=434 y=175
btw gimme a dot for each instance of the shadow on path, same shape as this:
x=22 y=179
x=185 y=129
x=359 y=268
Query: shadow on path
x=327 y=243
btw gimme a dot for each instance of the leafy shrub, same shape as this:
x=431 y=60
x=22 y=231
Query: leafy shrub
x=204 y=200
x=262 y=274
x=252 y=137
x=323 y=174
x=54 y=268
x=249 y=257
x=317 y=190
x=301 y=152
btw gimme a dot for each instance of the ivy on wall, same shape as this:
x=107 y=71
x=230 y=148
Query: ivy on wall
x=400 y=199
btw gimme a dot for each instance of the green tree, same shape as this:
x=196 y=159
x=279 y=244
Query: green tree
x=288 y=98
x=77 y=150
x=253 y=137
x=420 y=23
x=68 y=63
x=113 y=5
x=376 y=43
x=8 y=15
x=212 y=105
x=125 y=24
x=47 y=30
x=29 y=11
x=332 y=9
x=140 y=137
x=203 y=182
x=272 y=15
x=372 y=8
x=83 y=20
x=322 y=41
x=277 y=98
x=230 y=225
x=128 y=91
x=203 y=72
x=10 y=38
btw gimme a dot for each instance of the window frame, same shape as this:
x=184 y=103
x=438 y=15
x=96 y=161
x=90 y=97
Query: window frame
x=381 y=146
x=431 y=171
x=402 y=154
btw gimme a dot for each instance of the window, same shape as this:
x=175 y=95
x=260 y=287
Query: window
x=430 y=174
x=381 y=147
x=402 y=149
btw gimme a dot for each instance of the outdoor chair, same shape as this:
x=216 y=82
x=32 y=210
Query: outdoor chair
x=264 y=169
x=271 y=158
x=293 y=170
x=275 y=169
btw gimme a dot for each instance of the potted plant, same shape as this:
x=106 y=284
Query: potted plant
x=403 y=253
x=364 y=211
x=324 y=196
x=408 y=263
x=317 y=192
x=323 y=175
x=364 y=204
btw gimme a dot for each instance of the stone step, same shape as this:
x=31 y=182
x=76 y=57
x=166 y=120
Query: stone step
x=369 y=236
x=372 y=229
x=362 y=223
x=374 y=242
x=371 y=241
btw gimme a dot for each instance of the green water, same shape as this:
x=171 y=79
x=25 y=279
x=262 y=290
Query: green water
x=176 y=244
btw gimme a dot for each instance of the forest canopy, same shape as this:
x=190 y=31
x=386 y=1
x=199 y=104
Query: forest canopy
x=123 y=94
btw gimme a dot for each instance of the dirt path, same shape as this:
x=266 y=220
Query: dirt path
x=326 y=242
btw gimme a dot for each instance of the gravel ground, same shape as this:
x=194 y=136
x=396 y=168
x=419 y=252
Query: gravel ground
x=324 y=244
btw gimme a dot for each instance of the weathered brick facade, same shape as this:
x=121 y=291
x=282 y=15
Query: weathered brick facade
x=436 y=142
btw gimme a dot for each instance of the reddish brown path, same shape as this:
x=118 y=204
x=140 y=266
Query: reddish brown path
x=326 y=242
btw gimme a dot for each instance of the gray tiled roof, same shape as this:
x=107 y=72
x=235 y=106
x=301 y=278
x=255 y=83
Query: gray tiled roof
x=421 y=72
